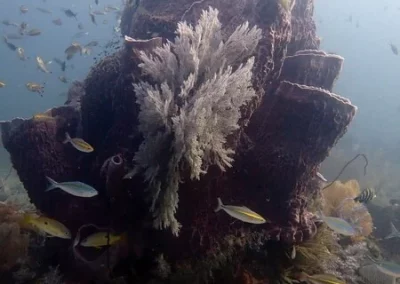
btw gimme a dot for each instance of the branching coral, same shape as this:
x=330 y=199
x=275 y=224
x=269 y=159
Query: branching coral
x=338 y=201
x=190 y=107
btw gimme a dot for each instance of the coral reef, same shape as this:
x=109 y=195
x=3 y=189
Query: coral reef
x=230 y=109
x=339 y=201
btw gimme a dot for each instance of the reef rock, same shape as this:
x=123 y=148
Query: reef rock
x=285 y=133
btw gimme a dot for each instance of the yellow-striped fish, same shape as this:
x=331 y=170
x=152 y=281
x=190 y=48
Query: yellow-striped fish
x=320 y=279
x=42 y=117
x=366 y=195
x=241 y=213
x=46 y=225
x=78 y=143
x=100 y=239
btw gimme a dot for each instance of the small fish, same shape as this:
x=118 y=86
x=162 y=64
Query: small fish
x=42 y=117
x=35 y=87
x=394 y=202
x=97 y=2
x=241 y=213
x=320 y=279
x=129 y=39
x=2 y=84
x=105 y=22
x=57 y=22
x=70 y=14
x=22 y=27
x=293 y=254
x=388 y=268
x=41 y=65
x=92 y=43
x=78 y=143
x=394 y=49
x=394 y=232
x=92 y=18
x=321 y=177
x=10 y=45
x=71 y=50
x=63 y=79
x=366 y=195
x=80 y=34
x=49 y=226
x=8 y=23
x=100 y=13
x=62 y=64
x=112 y=8
x=339 y=225
x=75 y=188
x=23 y=9
x=44 y=10
x=34 y=32
x=80 y=26
x=101 y=239
x=86 y=51
x=21 y=53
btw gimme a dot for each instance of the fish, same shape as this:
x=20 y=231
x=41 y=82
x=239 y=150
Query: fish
x=394 y=202
x=75 y=188
x=34 y=32
x=23 y=9
x=41 y=65
x=43 y=10
x=46 y=225
x=366 y=195
x=97 y=2
x=92 y=18
x=92 y=43
x=22 y=27
x=2 y=84
x=62 y=64
x=10 y=45
x=101 y=239
x=71 y=50
x=80 y=26
x=86 y=51
x=63 y=79
x=100 y=13
x=21 y=53
x=112 y=8
x=78 y=144
x=394 y=49
x=35 y=87
x=8 y=23
x=293 y=254
x=42 y=117
x=70 y=14
x=321 y=177
x=57 y=22
x=80 y=34
x=320 y=279
x=339 y=225
x=241 y=213
x=394 y=232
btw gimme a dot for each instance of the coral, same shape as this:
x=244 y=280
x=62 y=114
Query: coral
x=338 y=202
x=13 y=242
x=193 y=106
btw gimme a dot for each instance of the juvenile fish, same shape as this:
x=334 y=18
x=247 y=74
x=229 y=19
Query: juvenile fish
x=46 y=225
x=78 y=143
x=100 y=239
x=75 y=188
x=34 y=32
x=72 y=50
x=43 y=10
x=70 y=14
x=339 y=225
x=63 y=79
x=2 y=84
x=42 y=117
x=23 y=9
x=35 y=87
x=41 y=64
x=21 y=53
x=241 y=213
x=57 y=22
x=366 y=195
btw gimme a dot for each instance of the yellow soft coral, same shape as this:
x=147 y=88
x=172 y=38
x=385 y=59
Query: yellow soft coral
x=338 y=202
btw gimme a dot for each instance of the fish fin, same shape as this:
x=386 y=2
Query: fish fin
x=67 y=138
x=220 y=204
x=53 y=184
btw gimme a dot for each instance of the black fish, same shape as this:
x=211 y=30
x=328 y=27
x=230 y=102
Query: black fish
x=69 y=13
x=61 y=63
x=394 y=49
x=366 y=195
x=10 y=45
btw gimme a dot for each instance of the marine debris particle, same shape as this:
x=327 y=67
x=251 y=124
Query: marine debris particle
x=200 y=115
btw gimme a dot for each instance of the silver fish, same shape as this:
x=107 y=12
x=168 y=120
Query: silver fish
x=394 y=232
x=339 y=225
x=241 y=213
x=75 y=188
x=321 y=177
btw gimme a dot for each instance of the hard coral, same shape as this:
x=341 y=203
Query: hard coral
x=338 y=202
x=191 y=105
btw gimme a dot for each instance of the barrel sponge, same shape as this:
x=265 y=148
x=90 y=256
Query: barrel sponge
x=190 y=102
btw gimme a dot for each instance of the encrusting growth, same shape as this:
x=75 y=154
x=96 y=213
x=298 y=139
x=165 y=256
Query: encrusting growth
x=190 y=107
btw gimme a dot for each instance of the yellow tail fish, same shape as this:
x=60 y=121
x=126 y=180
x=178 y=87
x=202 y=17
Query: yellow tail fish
x=78 y=143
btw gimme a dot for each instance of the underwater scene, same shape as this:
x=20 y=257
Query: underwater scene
x=199 y=141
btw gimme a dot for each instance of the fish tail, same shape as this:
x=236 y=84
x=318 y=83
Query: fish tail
x=53 y=184
x=220 y=204
x=67 y=138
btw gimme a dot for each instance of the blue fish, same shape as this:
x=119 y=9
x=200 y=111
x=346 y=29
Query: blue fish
x=75 y=188
x=339 y=225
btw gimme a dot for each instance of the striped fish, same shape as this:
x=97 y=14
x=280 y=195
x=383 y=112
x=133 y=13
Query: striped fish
x=366 y=195
x=241 y=213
